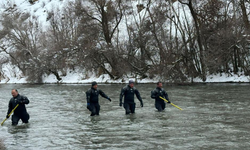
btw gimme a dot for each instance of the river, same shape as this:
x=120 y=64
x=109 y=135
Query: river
x=214 y=116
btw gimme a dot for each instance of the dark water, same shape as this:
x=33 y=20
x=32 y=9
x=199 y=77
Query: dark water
x=214 y=116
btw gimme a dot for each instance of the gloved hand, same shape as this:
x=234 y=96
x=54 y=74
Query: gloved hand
x=109 y=99
x=7 y=116
x=24 y=100
x=169 y=101
x=141 y=104
x=120 y=104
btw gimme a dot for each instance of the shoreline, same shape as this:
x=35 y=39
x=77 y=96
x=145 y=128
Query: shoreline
x=77 y=78
x=106 y=83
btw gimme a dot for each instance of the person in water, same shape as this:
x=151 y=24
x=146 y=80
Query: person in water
x=20 y=112
x=128 y=92
x=93 y=99
x=160 y=104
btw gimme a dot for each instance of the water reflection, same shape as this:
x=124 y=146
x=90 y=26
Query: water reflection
x=23 y=128
x=95 y=120
x=131 y=117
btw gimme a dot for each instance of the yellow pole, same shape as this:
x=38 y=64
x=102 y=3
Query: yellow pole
x=170 y=103
x=10 y=114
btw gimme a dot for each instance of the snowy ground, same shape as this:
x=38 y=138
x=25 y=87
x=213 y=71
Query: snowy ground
x=12 y=74
x=225 y=78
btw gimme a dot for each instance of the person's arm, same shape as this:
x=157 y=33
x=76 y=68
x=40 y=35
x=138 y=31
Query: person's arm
x=104 y=95
x=121 y=95
x=153 y=94
x=137 y=93
x=88 y=94
x=24 y=100
x=9 y=109
x=166 y=96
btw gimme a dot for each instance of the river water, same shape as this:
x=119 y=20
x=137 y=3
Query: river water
x=214 y=116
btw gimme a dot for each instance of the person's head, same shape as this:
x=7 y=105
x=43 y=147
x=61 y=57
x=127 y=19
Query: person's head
x=159 y=84
x=14 y=92
x=94 y=85
x=131 y=83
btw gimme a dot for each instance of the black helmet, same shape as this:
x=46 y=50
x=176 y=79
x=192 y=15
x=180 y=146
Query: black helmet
x=131 y=81
x=94 y=83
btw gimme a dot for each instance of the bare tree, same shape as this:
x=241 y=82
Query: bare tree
x=198 y=34
x=244 y=14
x=107 y=15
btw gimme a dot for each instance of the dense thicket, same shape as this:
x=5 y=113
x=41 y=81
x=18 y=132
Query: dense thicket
x=176 y=40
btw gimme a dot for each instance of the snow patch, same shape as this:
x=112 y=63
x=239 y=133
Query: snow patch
x=225 y=78
x=11 y=74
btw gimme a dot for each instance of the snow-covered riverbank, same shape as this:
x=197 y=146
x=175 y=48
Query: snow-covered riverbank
x=12 y=74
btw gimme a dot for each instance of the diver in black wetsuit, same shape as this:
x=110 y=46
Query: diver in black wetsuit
x=128 y=92
x=93 y=99
x=20 y=112
x=156 y=93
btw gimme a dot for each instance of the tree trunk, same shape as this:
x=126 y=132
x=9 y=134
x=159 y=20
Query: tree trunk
x=105 y=26
x=235 y=60
x=196 y=23
x=245 y=16
x=56 y=74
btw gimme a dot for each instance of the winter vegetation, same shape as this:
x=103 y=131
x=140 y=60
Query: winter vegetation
x=169 y=40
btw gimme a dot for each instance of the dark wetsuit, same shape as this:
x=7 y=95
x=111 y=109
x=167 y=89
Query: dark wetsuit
x=159 y=103
x=20 y=112
x=129 y=103
x=93 y=100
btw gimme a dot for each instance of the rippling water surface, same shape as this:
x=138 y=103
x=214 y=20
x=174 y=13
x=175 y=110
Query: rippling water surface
x=214 y=116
